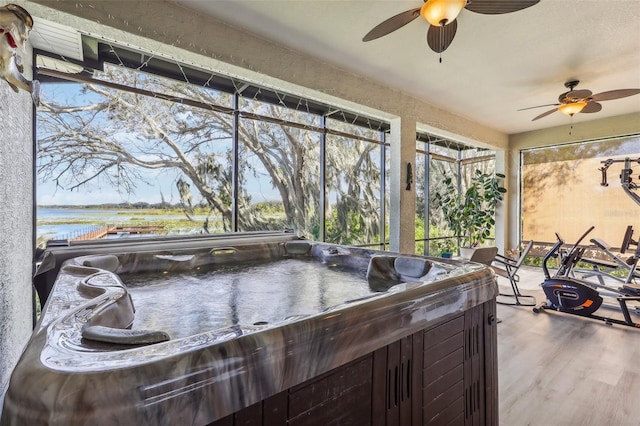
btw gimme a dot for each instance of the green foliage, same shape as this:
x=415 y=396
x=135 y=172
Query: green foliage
x=443 y=245
x=419 y=249
x=438 y=243
x=471 y=215
x=349 y=228
x=272 y=208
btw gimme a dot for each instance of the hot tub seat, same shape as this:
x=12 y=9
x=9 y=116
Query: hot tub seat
x=121 y=336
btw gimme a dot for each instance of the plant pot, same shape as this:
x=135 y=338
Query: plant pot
x=446 y=254
x=467 y=252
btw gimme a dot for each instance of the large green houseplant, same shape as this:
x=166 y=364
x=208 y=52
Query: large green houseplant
x=471 y=214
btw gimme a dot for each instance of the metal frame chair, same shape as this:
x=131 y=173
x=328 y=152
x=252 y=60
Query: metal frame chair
x=484 y=255
x=508 y=268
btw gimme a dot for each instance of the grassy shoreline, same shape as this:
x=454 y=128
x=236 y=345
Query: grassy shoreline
x=173 y=221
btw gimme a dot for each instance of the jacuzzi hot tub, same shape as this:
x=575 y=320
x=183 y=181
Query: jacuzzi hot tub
x=263 y=326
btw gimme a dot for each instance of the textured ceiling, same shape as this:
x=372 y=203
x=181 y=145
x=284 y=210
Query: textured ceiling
x=496 y=64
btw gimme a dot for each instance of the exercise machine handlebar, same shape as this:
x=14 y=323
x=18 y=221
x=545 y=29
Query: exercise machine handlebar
x=625 y=176
x=568 y=259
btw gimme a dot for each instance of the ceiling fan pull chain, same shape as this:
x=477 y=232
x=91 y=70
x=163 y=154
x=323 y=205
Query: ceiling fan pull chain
x=571 y=125
x=441 y=42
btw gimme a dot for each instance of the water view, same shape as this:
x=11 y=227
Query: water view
x=70 y=223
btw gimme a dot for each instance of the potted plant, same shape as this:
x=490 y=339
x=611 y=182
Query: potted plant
x=471 y=215
x=444 y=247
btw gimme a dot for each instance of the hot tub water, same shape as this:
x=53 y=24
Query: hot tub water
x=229 y=295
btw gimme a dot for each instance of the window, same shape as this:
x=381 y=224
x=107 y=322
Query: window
x=137 y=144
x=561 y=183
x=437 y=158
x=354 y=176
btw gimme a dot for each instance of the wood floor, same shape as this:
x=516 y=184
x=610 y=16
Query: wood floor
x=558 y=369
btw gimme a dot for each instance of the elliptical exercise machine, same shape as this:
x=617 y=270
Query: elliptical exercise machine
x=572 y=296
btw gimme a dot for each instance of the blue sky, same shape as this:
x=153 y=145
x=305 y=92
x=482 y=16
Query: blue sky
x=159 y=183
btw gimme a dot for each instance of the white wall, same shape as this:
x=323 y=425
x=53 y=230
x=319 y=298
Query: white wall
x=16 y=228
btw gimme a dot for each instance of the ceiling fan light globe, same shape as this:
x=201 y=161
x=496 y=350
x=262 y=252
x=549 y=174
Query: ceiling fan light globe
x=572 y=107
x=440 y=12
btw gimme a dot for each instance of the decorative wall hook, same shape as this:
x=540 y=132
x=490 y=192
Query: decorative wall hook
x=409 y=176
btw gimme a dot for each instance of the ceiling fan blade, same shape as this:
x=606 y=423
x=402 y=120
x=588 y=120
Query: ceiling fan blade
x=544 y=114
x=614 y=94
x=439 y=38
x=392 y=24
x=497 y=7
x=591 y=107
x=577 y=94
x=537 y=106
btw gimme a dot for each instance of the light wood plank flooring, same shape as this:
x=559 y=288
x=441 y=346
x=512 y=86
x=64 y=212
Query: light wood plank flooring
x=558 y=369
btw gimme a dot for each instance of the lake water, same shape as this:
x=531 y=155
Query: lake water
x=59 y=227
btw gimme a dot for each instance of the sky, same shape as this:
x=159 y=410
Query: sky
x=100 y=193
x=160 y=183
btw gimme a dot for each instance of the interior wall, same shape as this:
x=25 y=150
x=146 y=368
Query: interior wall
x=16 y=226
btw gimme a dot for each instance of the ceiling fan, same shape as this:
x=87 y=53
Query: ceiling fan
x=442 y=14
x=575 y=101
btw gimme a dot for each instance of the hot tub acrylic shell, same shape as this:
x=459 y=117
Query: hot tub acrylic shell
x=63 y=379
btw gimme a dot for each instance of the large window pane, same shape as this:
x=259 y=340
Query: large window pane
x=149 y=158
x=438 y=170
x=279 y=178
x=353 y=189
x=561 y=191
x=436 y=159
x=421 y=184
x=141 y=149
x=387 y=195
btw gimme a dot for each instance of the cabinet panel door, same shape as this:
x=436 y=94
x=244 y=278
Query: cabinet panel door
x=379 y=388
x=397 y=383
x=340 y=397
x=405 y=380
x=443 y=373
x=392 y=391
x=472 y=380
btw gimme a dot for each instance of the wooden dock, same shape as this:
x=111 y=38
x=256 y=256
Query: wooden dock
x=102 y=232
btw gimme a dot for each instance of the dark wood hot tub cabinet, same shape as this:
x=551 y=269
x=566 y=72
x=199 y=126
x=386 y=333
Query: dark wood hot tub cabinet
x=443 y=375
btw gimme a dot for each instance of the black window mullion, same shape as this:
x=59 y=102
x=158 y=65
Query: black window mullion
x=383 y=185
x=323 y=189
x=427 y=206
x=235 y=170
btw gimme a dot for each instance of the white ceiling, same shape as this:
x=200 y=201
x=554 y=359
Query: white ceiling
x=496 y=64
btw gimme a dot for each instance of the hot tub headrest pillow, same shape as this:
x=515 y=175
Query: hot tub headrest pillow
x=297 y=247
x=381 y=275
x=411 y=266
x=107 y=262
